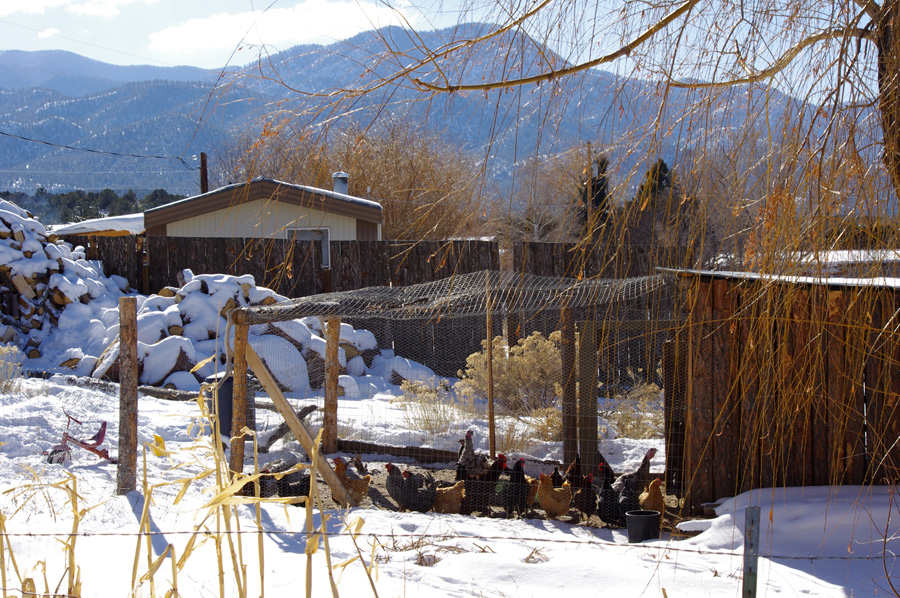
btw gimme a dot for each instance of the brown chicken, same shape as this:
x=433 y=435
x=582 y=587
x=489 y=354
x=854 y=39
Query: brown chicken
x=449 y=499
x=533 y=484
x=651 y=499
x=357 y=488
x=554 y=501
x=585 y=500
x=480 y=490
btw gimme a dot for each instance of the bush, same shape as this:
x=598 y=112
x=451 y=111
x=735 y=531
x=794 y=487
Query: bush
x=639 y=413
x=526 y=376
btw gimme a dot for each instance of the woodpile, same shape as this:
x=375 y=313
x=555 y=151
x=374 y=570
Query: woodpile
x=36 y=279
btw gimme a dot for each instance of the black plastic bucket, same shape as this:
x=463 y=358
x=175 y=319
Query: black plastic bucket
x=642 y=525
x=223 y=402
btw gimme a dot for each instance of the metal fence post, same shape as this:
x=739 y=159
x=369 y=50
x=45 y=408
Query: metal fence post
x=751 y=551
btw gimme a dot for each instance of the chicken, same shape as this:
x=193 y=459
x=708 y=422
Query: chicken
x=554 y=501
x=357 y=488
x=533 y=484
x=480 y=489
x=460 y=470
x=395 y=485
x=556 y=478
x=585 y=500
x=652 y=499
x=573 y=473
x=469 y=463
x=418 y=480
x=282 y=482
x=449 y=499
x=637 y=480
x=418 y=498
x=516 y=490
x=607 y=498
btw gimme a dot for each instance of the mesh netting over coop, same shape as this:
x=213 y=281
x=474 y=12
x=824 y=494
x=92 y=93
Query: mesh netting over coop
x=425 y=348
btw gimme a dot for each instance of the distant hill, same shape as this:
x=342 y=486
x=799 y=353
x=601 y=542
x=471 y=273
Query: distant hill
x=66 y=99
x=74 y=75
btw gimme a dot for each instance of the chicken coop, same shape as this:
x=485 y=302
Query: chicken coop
x=788 y=381
x=452 y=348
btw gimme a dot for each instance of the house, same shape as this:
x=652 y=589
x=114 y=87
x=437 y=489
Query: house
x=269 y=209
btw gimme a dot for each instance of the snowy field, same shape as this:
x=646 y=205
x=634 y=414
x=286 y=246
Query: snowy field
x=817 y=541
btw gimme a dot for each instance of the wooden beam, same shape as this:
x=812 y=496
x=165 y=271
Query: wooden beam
x=126 y=469
x=300 y=432
x=332 y=370
x=239 y=397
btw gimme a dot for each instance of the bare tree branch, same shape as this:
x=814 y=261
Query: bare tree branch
x=625 y=50
x=783 y=61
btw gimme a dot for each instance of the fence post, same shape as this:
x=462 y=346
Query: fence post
x=751 y=551
x=126 y=470
x=489 y=355
x=569 y=375
x=587 y=396
x=238 y=398
x=332 y=368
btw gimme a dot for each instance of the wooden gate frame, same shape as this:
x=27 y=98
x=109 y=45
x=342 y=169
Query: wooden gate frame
x=244 y=356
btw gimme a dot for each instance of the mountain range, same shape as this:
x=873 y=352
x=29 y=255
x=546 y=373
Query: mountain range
x=142 y=127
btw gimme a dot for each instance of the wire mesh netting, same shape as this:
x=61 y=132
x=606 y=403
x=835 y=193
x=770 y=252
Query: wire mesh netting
x=414 y=374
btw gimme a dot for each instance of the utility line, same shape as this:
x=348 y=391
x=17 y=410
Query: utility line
x=103 y=152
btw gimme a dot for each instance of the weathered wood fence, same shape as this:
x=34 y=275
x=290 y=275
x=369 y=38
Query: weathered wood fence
x=293 y=268
x=786 y=384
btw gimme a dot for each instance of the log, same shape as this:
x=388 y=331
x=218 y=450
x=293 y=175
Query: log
x=176 y=330
x=70 y=363
x=22 y=286
x=126 y=475
x=332 y=366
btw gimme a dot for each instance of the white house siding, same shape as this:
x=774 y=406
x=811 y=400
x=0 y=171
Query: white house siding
x=262 y=219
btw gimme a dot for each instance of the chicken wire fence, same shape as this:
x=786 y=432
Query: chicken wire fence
x=414 y=375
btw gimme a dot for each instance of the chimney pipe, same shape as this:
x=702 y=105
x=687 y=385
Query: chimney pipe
x=340 y=180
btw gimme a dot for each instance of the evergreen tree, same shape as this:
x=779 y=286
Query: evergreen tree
x=593 y=202
x=656 y=181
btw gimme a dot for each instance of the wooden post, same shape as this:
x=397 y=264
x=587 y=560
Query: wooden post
x=126 y=473
x=489 y=354
x=239 y=397
x=588 y=430
x=204 y=174
x=751 y=551
x=332 y=369
x=569 y=374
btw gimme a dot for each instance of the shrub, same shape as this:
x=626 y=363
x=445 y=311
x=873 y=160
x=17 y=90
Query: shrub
x=639 y=413
x=526 y=376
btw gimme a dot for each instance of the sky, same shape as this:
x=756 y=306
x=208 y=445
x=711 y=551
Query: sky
x=203 y=33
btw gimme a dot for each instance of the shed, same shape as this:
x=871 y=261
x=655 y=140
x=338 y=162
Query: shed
x=270 y=209
x=787 y=381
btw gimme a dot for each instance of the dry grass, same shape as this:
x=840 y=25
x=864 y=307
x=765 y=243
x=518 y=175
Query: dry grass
x=10 y=367
x=431 y=407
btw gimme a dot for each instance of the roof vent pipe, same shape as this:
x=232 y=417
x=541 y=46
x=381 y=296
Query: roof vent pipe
x=340 y=182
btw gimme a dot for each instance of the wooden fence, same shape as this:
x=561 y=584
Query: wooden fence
x=786 y=384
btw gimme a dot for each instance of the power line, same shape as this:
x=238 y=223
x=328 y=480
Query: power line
x=95 y=151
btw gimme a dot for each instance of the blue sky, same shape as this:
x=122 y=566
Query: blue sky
x=205 y=33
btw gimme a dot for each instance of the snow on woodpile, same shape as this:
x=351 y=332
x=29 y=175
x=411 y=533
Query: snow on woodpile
x=39 y=277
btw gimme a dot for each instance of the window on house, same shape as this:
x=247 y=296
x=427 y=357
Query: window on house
x=314 y=234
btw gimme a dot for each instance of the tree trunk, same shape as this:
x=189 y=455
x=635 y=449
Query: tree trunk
x=888 y=43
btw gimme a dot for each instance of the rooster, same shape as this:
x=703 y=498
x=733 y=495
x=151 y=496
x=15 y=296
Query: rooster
x=449 y=499
x=357 y=488
x=480 y=489
x=554 y=501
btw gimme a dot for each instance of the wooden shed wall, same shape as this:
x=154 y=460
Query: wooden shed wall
x=789 y=385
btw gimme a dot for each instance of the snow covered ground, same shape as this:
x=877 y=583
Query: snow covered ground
x=816 y=541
